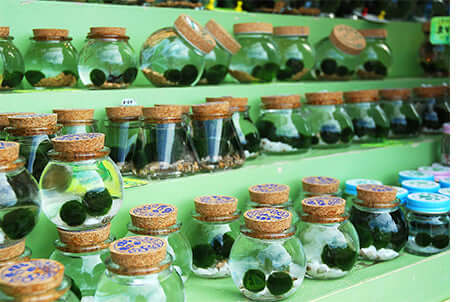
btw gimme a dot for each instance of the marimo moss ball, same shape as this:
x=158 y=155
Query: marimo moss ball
x=18 y=223
x=279 y=283
x=343 y=258
x=254 y=280
x=73 y=213
x=222 y=244
x=204 y=256
x=97 y=202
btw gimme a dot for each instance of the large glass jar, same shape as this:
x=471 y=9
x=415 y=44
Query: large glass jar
x=282 y=125
x=376 y=59
x=259 y=58
x=428 y=221
x=107 y=61
x=434 y=59
x=139 y=269
x=369 y=120
x=76 y=121
x=338 y=55
x=298 y=55
x=379 y=221
x=215 y=137
x=174 y=56
x=433 y=107
x=12 y=67
x=329 y=239
x=81 y=187
x=51 y=59
x=267 y=260
x=211 y=232
x=160 y=220
x=445 y=143
x=331 y=125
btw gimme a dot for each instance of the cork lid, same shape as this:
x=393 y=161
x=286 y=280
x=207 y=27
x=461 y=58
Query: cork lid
x=27 y=121
x=72 y=115
x=9 y=151
x=395 y=94
x=223 y=37
x=320 y=184
x=426 y=27
x=194 y=33
x=347 y=39
x=163 y=113
x=217 y=109
x=124 y=112
x=302 y=31
x=4 y=117
x=281 y=101
x=235 y=103
x=104 y=32
x=361 y=96
x=184 y=108
x=12 y=251
x=324 y=206
x=374 y=33
x=154 y=216
x=215 y=205
x=4 y=31
x=253 y=28
x=268 y=220
x=138 y=251
x=374 y=195
x=81 y=143
x=50 y=34
x=270 y=194
x=84 y=237
x=430 y=91
x=324 y=98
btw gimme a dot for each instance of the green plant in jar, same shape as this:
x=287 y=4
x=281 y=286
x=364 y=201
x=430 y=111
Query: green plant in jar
x=376 y=59
x=12 y=67
x=434 y=59
x=76 y=121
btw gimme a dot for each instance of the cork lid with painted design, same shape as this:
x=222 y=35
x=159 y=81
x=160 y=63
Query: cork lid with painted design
x=154 y=216
x=271 y=194
x=194 y=33
x=84 y=238
x=324 y=98
x=285 y=31
x=223 y=37
x=74 y=115
x=124 y=112
x=36 y=120
x=4 y=122
x=138 y=251
x=163 y=114
x=374 y=194
x=347 y=39
x=320 y=184
x=9 y=151
x=253 y=28
x=399 y=94
x=281 y=101
x=12 y=251
x=324 y=207
x=215 y=205
x=361 y=96
x=235 y=103
x=86 y=142
x=4 y=31
x=267 y=220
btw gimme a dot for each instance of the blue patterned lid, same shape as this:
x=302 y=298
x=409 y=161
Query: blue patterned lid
x=351 y=184
x=430 y=203
x=414 y=174
x=153 y=210
x=444 y=181
x=138 y=251
x=267 y=220
x=420 y=186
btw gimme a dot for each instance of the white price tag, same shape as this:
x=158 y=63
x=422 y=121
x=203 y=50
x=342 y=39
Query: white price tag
x=129 y=102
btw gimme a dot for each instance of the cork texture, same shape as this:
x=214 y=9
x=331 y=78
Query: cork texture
x=395 y=94
x=430 y=91
x=4 y=117
x=211 y=109
x=108 y=31
x=50 y=33
x=81 y=143
x=302 y=31
x=84 y=238
x=376 y=193
x=267 y=220
x=27 y=121
x=361 y=96
x=320 y=184
x=281 y=101
x=170 y=113
x=138 y=251
x=223 y=37
x=235 y=103
x=374 y=33
x=215 y=205
x=9 y=151
x=73 y=115
x=347 y=39
x=324 y=206
x=123 y=112
x=324 y=98
x=258 y=27
x=270 y=194
x=194 y=33
x=154 y=216
x=12 y=251
x=4 y=31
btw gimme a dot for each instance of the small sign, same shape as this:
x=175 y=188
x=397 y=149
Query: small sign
x=129 y=102
x=440 y=31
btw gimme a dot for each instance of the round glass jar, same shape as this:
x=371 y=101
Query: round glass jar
x=215 y=137
x=298 y=55
x=211 y=232
x=414 y=175
x=160 y=220
x=445 y=144
x=259 y=58
x=76 y=121
x=434 y=59
x=428 y=221
x=369 y=120
x=379 y=221
x=107 y=61
x=338 y=55
x=51 y=59
x=331 y=125
x=418 y=185
x=14 y=253
x=12 y=67
x=433 y=107
x=139 y=269
x=329 y=239
x=283 y=127
x=267 y=260
x=174 y=56
x=81 y=187
x=376 y=59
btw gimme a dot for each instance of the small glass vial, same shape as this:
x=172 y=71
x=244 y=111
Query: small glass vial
x=379 y=221
x=329 y=239
x=271 y=196
x=434 y=59
x=160 y=220
x=76 y=121
x=445 y=144
x=350 y=187
x=433 y=107
x=376 y=59
x=212 y=232
x=259 y=58
x=81 y=187
x=331 y=125
x=107 y=61
x=51 y=59
x=267 y=260
x=215 y=138
x=139 y=269
x=416 y=185
x=12 y=67
x=414 y=175
x=298 y=55
x=283 y=127
x=428 y=220
x=14 y=253
x=338 y=55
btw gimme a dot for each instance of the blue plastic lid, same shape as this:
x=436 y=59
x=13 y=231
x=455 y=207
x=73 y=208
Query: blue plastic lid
x=414 y=174
x=444 y=182
x=445 y=191
x=429 y=203
x=351 y=184
x=414 y=186
x=402 y=194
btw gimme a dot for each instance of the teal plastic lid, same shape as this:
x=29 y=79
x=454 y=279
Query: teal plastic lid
x=351 y=184
x=444 y=182
x=414 y=174
x=430 y=203
x=414 y=186
x=402 y=194
x=445 y=191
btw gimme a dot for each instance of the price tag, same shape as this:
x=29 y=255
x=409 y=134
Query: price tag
x=439 y=31
x=129 y=102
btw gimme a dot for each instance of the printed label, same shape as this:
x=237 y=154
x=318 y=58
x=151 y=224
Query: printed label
x=440 y=31
x=129 y=102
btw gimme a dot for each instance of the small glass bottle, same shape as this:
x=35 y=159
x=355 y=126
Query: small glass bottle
x=445 y=144
x=267 y=260
x=51 y=59
x=433 y=107
x=428 y=220
x=259 y=58
x=376 y=59
x=414 y=175
x=107 y=61
x=212 y=232
x=283 y=127
x=434 y=59
x=14 y=253
x=329 y=239
x=11 y=62
x=76 y=121
x=418 y=185
x=160 y=220
x=379 y=221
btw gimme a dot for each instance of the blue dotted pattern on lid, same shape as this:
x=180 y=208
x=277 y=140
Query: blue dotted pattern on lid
x=78 y=137
x=269 y=188
x=444 y=182
x=351 y=184
x=138 y=244
x=323 y=201
x=26 y=272
x=267 y=214
x=153 y=210
x=445 y=191
x=217 y=199
x=428 y=202
x=320 y=180
x=414 y=186
x=376 y=188
x=414 y=174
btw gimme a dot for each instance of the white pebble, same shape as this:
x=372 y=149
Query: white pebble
x=270 y=146
x=371 y=253
x=322 y=271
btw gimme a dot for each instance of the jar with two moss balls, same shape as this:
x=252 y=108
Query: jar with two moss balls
x=376 y=59
x=76 y=121
x=107 y=61
x=433 y=108
x=259 y=58
x=271 y=196
x=434 y=59
x=12 y=67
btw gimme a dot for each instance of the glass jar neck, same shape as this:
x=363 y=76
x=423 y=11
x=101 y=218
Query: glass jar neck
x=375 y=210
x=130 y=273
x=77 y=251
x=163 y=232
x=85 y=158
x=216 y=220
x=253 y=35
x=268 y=237
x=294 y=38
x=50 y=42
x=7 y=39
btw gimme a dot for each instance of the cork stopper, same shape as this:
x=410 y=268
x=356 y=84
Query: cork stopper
x=214 y=109
x=215 y=205
x=253 y=28
x=380 y=33
x=4 y=122
x=74 y=115
x=12 y=251
x=163 y=113
x=4 y=31
x=268 y=220
x=430 y=91
x=81 y=143
x=347 y=39
x=235 y=103
x=223 y=37
x=395 y=94
x=376 y=194
x=281 y=101
x=271 y=194
x=324 y=206
x=324 y=98
x=194 y=33
x=97 y=32
x=320 y=185
x=138 y=251
x=84 y=238
x=50 y=34
x=124 y=112
x=301 y=31
x=28 y=121
x=361 y=96
x=154 y=216
x=9 y=151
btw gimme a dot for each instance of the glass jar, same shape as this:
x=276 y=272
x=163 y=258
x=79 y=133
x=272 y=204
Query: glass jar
x=416 y=185
x=376 y=59
x=160 y=220
x=12 y=67
x=283 y=127
x=212 y=232
x=329 y=239
x=379 y=221
x=428 y=221
x=14 y=253
x=215 y=138
x=259 y=58
x=414 y=175
x=139 y=269
x=434 y=59
x=271 y=196
x=433 y=107
x=338 y=55
x=369 y=120
x=81 y=187
x=445 y=144
x=107 y=61
x=267 y=260
x=298 y=55
x=331 y=125
x=51 y=59
x=76 y=121
x=174 y=56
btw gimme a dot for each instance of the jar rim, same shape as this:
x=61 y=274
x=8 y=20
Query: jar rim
x=63 y=247
x=154 y=232
x=306 y=217
x=78 y=156
x=377 y=205
x=219 y=219
x=290 y=232
x=137 y=271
